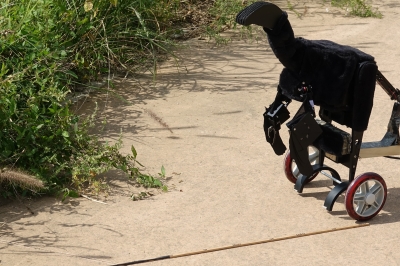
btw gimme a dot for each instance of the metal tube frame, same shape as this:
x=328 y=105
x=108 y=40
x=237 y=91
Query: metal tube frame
x=389 y=145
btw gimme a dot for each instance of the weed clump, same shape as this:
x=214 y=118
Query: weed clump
x=359 y=8
x=47 y=49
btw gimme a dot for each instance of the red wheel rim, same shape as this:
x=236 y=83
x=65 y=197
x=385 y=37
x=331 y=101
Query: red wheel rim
x=288 y=166
x=365 y=196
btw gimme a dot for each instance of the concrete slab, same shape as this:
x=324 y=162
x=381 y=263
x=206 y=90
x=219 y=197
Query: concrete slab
x=203 y=122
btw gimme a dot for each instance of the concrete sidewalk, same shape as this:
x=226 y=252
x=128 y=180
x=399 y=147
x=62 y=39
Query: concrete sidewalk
x=226 y=185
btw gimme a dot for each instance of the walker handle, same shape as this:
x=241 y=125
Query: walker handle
x=387 y=87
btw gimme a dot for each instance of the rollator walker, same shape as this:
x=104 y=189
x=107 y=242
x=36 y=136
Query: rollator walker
x=341 y=81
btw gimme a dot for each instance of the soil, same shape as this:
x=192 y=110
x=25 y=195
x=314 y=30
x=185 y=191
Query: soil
x=226 y=185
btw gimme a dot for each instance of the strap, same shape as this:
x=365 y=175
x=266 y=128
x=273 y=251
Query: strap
x=274 y=117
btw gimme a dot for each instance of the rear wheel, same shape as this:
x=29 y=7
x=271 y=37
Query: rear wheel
x=292 y=172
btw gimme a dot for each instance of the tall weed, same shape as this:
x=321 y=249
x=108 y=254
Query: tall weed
x=47 y=48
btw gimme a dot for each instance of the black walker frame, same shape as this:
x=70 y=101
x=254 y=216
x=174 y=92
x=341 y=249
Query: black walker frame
x=388 y=146
x=340 y=74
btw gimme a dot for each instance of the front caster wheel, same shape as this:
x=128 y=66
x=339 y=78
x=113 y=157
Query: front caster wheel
x=365 y=196
x=292 y=172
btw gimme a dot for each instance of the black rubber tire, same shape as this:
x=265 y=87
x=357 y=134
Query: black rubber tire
x=287 y=167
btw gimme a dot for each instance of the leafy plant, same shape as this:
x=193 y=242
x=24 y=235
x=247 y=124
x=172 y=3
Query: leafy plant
x=162 y=173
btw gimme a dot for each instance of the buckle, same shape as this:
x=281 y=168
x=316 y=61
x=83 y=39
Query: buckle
x=272 y=131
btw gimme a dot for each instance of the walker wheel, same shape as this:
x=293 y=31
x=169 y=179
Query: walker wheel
x=365 y=196
x=290 y=167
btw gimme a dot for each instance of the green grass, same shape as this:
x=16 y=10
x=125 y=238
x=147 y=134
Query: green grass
x=359 y=8
x=47 y=48
x=293 y=9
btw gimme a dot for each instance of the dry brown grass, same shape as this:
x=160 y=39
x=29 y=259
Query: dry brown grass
x=20 y=178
